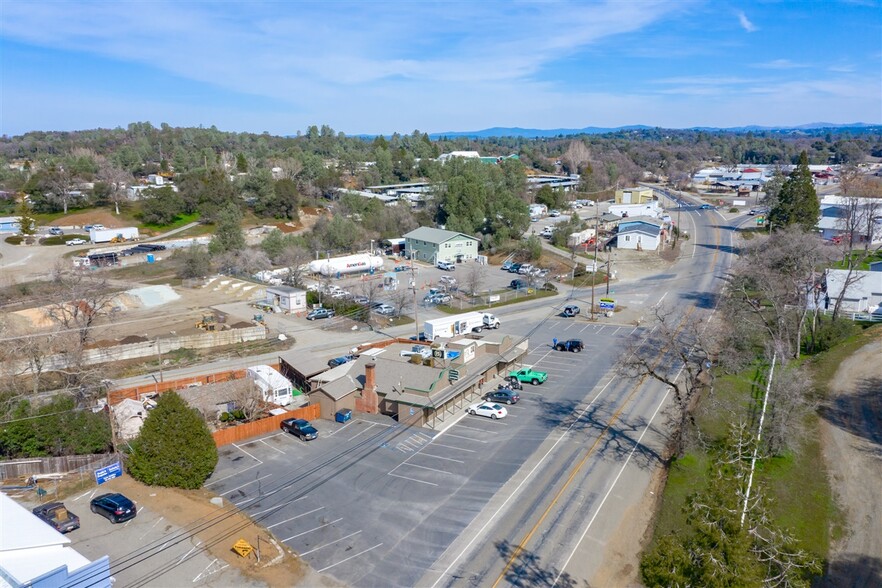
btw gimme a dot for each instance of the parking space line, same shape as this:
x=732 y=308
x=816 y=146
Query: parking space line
x=439 y=457
x=424 y=467
x=232 y=475
x=411 y=479
x=151 y=528
x=464 y=437
x=245 y=452
x=331 y=543
x=247 y=484
x=278 y=506
x=454 y=447
x=311 y=530
x=271 y=447
x=297 y=517
x=460 y=425
x=198 y=543
x=202 y=574
x=350 y=557
x=371 y=426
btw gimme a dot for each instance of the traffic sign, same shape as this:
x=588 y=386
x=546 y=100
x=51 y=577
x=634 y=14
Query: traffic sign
x=607 y=304
x=108 y=473
x=243 y=548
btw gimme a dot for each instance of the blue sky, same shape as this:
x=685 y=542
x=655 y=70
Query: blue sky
x=379 y=67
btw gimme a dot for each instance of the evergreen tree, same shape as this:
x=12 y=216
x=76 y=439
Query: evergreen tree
x=26 y=221
x=175 y=447
x=797 y=201
x=241 y=164
x=228 y=234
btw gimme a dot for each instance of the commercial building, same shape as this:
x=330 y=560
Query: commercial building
x=433 y=245
x=286 y=298
x=633 y=195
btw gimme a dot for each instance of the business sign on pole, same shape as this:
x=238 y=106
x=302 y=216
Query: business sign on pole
x=607 y=304
x=108 y=473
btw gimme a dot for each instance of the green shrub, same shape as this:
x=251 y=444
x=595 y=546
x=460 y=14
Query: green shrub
x=733 y=209
x=175 y=447
x=830 y=333
x=225 y=417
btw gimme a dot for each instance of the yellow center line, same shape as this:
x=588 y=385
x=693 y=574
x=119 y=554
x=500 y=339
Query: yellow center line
x=521 y=546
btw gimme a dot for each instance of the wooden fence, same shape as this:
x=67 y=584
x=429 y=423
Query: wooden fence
x=263 y=426
x=18 y=469
x=114 y=397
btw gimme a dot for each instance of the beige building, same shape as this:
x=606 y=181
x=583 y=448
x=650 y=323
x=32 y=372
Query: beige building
x=633 y=195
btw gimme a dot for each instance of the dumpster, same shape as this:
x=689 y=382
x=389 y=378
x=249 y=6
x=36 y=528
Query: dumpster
x=343 y=415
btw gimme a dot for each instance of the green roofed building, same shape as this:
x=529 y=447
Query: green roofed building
x=434 y=245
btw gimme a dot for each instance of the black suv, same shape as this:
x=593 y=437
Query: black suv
x=114 y=507
x=506 y=395
x=574 y=345
x=518 y=284
x=301 y=428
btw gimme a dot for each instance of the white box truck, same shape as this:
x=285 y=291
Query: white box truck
x=114 y=235
x=459 y=324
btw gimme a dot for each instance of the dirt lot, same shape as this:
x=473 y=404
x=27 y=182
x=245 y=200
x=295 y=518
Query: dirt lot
x=90 y=218
x=852 y=438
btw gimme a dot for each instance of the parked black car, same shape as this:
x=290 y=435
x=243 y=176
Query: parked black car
x=340 y=360
x=513 y=383
x=518 y=284
x=574 y=345
x=505 y=395
x=300 y=427
x=116 y=508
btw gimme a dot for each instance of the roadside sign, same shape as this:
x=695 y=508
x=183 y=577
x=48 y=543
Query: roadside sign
x=438 y=353
x=494 y=298
x=607 y=304
x=243 y=548
x=108 y=473
x=453 y=375
x=760 y=220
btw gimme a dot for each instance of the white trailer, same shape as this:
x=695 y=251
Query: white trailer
x=459 y=324
x=116 y=235
x=583 y=236
x=350 y=264
x=275 y=387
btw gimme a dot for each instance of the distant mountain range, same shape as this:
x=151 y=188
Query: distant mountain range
x=538 y=133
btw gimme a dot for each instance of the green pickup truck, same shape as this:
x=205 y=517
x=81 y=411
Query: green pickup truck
x=528 y=375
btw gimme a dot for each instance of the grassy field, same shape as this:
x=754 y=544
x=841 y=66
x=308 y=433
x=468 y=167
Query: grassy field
x=468 y=308
x=180 y=221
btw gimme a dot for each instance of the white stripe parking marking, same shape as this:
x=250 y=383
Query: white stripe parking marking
x=411 y=479
x=362 y=431
x=311 y=530
x=439 y=457
x=453 y=447
x=271 y=447
x=413 y=465
x=247 y=484
x=151 y=528
x=474 y=428
x=331 y=543
x=297 y=517
x=472 y=439
x=279 y=506
x=350 y=557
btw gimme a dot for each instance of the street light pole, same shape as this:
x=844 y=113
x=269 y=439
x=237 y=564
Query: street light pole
x=416 y=319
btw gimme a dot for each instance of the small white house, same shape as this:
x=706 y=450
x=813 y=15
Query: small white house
x=863 y=294
x=642 y=235
x=286 y=298
x=275 y=387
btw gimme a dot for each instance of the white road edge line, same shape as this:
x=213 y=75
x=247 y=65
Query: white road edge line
x=611 y=488
x=516 y=491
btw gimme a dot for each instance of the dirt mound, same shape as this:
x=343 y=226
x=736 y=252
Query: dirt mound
x=91 y=217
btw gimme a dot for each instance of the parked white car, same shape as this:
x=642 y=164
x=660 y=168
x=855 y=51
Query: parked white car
x=76 y=242
x=488 y=409
x=446 y=266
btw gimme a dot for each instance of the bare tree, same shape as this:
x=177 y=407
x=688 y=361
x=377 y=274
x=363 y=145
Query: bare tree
x=296 y=259
x=246 y=261
x=789 y=402
x=115 y=177
x=290 y=167
x=778 y=278
x=61 y=181
x=677 y=351
x=402 y=298
x=247 y=397
x=475 y=278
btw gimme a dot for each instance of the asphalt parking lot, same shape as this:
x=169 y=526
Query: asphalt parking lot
x=145 y=544
x=375 y=503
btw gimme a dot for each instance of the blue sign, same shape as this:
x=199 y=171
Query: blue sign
x=607 y=304
x=108 y=473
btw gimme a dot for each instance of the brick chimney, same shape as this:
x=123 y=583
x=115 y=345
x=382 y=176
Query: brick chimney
x=369 y=396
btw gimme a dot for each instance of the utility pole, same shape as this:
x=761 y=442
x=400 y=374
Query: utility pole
x=594 y=272
x=416 y=319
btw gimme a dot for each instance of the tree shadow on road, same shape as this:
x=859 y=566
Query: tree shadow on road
x=860 y=412
x=707 y=300
x=852 y=570
x=723 y=248
x=527 y=570
x=619 y=440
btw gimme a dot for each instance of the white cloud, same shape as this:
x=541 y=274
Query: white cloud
x=745 y=23
x=780 y=64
